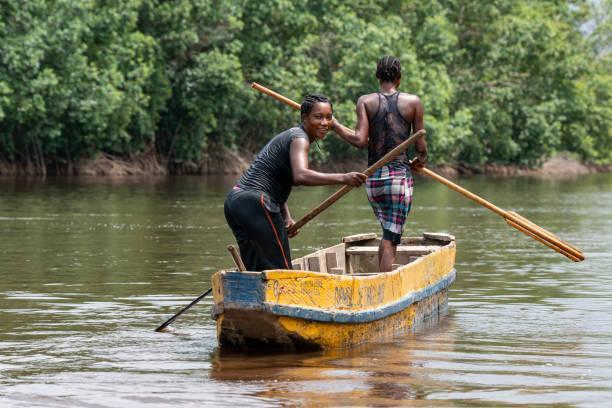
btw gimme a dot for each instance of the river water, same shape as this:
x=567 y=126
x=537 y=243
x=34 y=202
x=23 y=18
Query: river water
x=89 y=268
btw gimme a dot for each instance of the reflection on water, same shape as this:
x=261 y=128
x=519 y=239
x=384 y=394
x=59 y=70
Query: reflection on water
x=89 y=267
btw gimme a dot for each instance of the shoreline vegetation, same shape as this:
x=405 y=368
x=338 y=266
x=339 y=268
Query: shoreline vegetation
x=229 y=162
x=158 y=87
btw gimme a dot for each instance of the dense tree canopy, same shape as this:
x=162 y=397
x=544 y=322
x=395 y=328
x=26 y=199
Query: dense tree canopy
x=502 y=81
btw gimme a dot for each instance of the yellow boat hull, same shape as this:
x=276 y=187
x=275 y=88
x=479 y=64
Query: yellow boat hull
x=317 y=309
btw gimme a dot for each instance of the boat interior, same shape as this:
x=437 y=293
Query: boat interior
x=358 y=254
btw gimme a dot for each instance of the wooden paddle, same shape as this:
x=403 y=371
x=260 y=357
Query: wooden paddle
x=513 y=219
x=239 y=265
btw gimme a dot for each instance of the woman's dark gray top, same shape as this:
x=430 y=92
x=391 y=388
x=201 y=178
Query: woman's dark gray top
x=271 y=171
x=388 y=128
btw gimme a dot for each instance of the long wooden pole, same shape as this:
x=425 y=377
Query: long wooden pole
x=275 y=95
x=513 y=219
x=239 y=264
x=168 y=322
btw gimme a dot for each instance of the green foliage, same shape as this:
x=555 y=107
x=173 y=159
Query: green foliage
x=507 y=82
x=79 y=74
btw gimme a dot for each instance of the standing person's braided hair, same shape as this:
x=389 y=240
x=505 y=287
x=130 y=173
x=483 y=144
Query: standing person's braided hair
x=310 y=101
x=388 y=69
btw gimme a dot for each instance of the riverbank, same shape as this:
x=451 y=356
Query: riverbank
x=562 y=166
x=229 y=162
x=555 y=167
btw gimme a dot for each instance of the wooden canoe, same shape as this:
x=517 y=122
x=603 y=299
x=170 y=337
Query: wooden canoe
x=333 y=298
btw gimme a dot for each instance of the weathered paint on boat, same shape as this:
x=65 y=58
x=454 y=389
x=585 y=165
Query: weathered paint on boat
x=301 y=308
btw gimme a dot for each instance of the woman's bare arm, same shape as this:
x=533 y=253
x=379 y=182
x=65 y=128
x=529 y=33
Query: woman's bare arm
x=302 y=175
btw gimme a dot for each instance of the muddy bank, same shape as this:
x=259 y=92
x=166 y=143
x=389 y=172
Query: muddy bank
x=556 y=167
x=147 y=164
x=229 y=162
x=103 y=164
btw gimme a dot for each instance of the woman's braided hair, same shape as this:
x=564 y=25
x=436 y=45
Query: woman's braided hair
x=388 y=69
x=310 y=101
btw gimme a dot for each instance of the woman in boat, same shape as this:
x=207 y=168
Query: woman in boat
x=384 y=120
x=256 y=207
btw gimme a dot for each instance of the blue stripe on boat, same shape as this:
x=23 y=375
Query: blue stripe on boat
x=244 y=291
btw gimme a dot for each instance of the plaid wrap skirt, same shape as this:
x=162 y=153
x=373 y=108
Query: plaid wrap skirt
x=389 y=191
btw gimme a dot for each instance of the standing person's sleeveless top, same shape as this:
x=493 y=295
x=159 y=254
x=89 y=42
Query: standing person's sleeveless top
x=271 y=171
x=388 y=128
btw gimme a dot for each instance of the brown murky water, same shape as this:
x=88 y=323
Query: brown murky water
x=88 y=268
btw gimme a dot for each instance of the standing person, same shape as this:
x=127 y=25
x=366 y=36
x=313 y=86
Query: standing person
x=256 y=208
x=384 y=120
